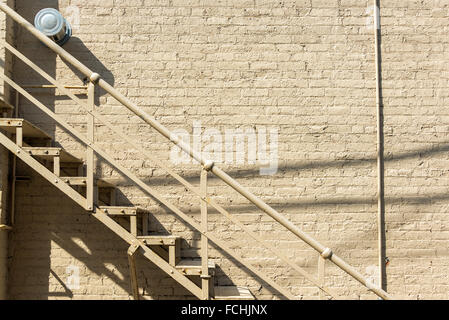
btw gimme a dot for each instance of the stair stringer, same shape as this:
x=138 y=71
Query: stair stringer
x=100 y=216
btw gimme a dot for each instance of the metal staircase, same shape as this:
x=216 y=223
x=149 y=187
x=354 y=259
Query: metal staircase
x=33 y=146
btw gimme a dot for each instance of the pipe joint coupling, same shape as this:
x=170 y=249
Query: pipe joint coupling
x=208 y=165
x=94 y=78
x=327 y=253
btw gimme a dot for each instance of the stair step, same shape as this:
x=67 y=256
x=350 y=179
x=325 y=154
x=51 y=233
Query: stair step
x=192 y=267
x=232 y=293
x=122 y=211
x=48 y=153
x=82 y=181
x=29 y=130
x=159 y=240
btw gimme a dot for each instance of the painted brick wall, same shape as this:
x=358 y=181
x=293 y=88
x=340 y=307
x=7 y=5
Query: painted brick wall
x=305 y=68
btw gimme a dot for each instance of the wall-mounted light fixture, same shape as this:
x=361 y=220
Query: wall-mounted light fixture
x=51 y=22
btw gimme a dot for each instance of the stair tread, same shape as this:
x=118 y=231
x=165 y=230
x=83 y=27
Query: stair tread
x=232 y=293
x=158 y=237
x=192 y=267
x=193 y=263
x=82 y=181
x=29 y=129
x=48 y=153
x=122 y=210
x=159 y=240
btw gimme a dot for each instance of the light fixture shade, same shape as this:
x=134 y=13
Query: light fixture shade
x=51 y=23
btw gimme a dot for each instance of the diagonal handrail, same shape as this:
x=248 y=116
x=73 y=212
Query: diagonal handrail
x=95 y=78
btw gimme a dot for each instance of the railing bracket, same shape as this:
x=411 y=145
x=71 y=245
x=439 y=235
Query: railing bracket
x=327 y=253
x=208 y=165
x=94 y=77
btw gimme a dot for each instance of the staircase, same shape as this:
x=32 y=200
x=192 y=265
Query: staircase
x=31 y=144
x=97 y=195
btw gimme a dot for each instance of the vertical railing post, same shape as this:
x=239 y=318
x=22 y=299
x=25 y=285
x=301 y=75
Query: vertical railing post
x=19 y=135
x=57 y=165
x=133 y=270
x=321 y=265
x=90 y=192
x=205 y=277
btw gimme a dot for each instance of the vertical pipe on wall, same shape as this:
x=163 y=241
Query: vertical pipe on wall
x=380 y=150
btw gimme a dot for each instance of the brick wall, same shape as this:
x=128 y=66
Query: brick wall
x=305 y=68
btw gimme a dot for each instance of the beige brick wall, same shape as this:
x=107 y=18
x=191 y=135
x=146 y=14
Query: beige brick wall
x=305 y=68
